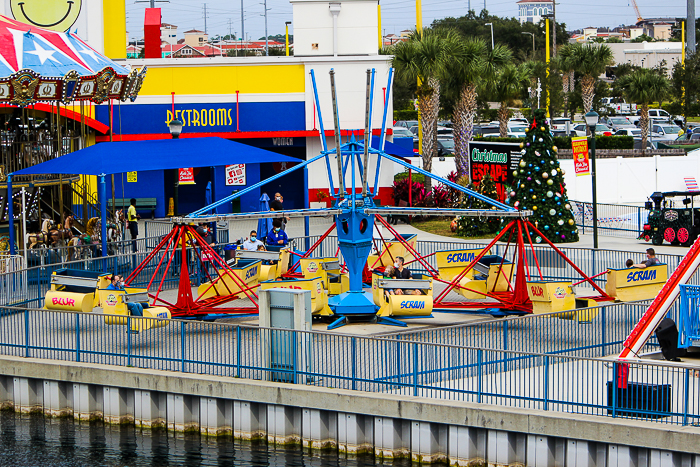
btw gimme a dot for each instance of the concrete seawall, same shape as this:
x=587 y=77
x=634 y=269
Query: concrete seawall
x=390 y=426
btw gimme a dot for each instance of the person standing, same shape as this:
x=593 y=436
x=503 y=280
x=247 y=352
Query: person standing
x=277 y=236
x=133 y=220
x=278 y=205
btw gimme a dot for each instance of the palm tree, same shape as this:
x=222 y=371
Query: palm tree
x=421 y=63
x=506 y=89
x=589 y=60
x=643 y=87
x=535 y=69
x=563 y=63
x=472 y=63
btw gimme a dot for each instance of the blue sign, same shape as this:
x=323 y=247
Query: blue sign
x=414 y=304
x=460 y=257
x=135 y=119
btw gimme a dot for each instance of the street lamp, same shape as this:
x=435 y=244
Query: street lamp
x=592 y=121
x=490 y=24
x=533 y=42
x=175 y=127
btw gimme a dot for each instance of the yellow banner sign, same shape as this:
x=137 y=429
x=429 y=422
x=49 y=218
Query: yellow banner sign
x=579 y=145
x=131 y=177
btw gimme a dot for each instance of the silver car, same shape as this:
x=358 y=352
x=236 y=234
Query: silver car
x=665 y=132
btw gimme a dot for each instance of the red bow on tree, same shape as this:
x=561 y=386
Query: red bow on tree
x=534 y=124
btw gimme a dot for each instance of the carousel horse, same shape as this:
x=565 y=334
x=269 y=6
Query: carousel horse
x=81 y=246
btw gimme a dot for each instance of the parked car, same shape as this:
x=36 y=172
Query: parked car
x=560 y=123
x=518 y=121
x=617 y=123
x=402 y=132
x=650 y=144
x=655 y=116
x=446 y=147
x=517 y=131
x=600 y=129
x=563 y=133
x=618 y=105
x=665 y=132
x=633 y=132
x=406 y=123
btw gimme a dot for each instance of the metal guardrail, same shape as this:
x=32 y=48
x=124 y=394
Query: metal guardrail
x=614 y=220
x=531 y=380
x=158 y=228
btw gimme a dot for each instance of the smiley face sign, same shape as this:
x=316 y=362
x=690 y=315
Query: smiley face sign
x=58 y=15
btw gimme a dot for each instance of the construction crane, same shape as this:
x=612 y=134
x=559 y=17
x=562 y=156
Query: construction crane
x=636 y=9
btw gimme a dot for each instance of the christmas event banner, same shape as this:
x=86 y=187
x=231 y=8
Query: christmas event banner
x=579 y=145
x=186 y=176
x=497 y=159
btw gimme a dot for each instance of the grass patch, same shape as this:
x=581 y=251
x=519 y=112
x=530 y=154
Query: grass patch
x=441 y=226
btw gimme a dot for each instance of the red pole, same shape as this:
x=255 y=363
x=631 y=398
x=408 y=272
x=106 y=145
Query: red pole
x=173 y=93
x=237 y=113
x=384 y=91
x=410 y=188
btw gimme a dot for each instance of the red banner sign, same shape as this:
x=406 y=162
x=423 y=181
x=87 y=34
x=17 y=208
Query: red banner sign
x=186 y=176
x=582 y=165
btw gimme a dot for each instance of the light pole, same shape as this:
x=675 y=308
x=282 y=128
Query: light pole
x=490 y=24
x=286 y=36
x=175 y=127
x=533 y=42
x=592 y=121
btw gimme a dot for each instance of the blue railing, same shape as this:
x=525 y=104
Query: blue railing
x=531 y=380
x=689 y=316
x=614 y=220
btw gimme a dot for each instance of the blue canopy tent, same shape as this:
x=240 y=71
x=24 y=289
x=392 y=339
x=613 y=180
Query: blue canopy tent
x=113 y=158
x=264 y=224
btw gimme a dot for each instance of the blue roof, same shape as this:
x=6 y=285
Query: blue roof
x=134 y=156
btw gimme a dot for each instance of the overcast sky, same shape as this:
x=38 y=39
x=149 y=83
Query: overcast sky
x=396 y=14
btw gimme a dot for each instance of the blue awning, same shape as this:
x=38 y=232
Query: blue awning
x=136 y=156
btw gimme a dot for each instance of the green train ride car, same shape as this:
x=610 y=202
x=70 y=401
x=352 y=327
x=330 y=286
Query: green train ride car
x=671 y=220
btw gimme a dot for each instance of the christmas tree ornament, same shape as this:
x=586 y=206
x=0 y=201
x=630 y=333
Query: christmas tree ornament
x=563 y=172
x=534 y=196
x=567 y=206
x=529 y=179
x=522 y=186
x=555 y=149
x=523 y=152
x=522 y=163
x=552 y=212
x=542 y=129
x=560 y=222
x=540 y=140
x=538 y=182
x=545 y=175
x=517 y=203
x=550 y=182
x=571 y=222
x=515 y=173
x=549 y=194
x=521 y=145
x=534 y=208
x=538 y=239
x=546 y=227
x=537 y=169
x=554 y=173
x=512 y=194
x=563 y=236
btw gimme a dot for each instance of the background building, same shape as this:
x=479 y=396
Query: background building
x=531 y=11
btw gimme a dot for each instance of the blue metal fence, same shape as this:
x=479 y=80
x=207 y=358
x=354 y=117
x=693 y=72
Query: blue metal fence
x=532 y=380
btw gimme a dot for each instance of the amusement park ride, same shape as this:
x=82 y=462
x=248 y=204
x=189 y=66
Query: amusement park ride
x=352 y=286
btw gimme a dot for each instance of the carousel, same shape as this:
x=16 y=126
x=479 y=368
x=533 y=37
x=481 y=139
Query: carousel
x=49 y=84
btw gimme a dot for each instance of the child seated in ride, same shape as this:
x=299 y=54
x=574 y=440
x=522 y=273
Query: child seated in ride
x=117 y=283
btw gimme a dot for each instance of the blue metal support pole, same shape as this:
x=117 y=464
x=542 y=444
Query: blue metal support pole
x=307 y=226
x=233 y=196
x=11 y=215
x=103 y=218
x=323 y=132
x=383 y=135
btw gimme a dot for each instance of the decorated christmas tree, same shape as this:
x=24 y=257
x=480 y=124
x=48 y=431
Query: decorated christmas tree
x=539 y=185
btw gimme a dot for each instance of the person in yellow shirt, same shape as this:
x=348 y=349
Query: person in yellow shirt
x=133 y=222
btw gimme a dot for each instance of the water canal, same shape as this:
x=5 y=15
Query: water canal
x=33 y=440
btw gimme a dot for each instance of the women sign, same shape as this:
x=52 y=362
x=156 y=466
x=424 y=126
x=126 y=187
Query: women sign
x=582 y=165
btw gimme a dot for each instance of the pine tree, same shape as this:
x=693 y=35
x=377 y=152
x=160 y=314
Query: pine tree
x=468 y=226
x=539 y=185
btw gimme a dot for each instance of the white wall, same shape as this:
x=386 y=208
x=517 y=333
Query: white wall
x=357 y=27
x=632 y=180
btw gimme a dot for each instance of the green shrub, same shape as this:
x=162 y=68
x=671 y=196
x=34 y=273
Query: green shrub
x=564 y=142
x=415 y=178
x=405 y=115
